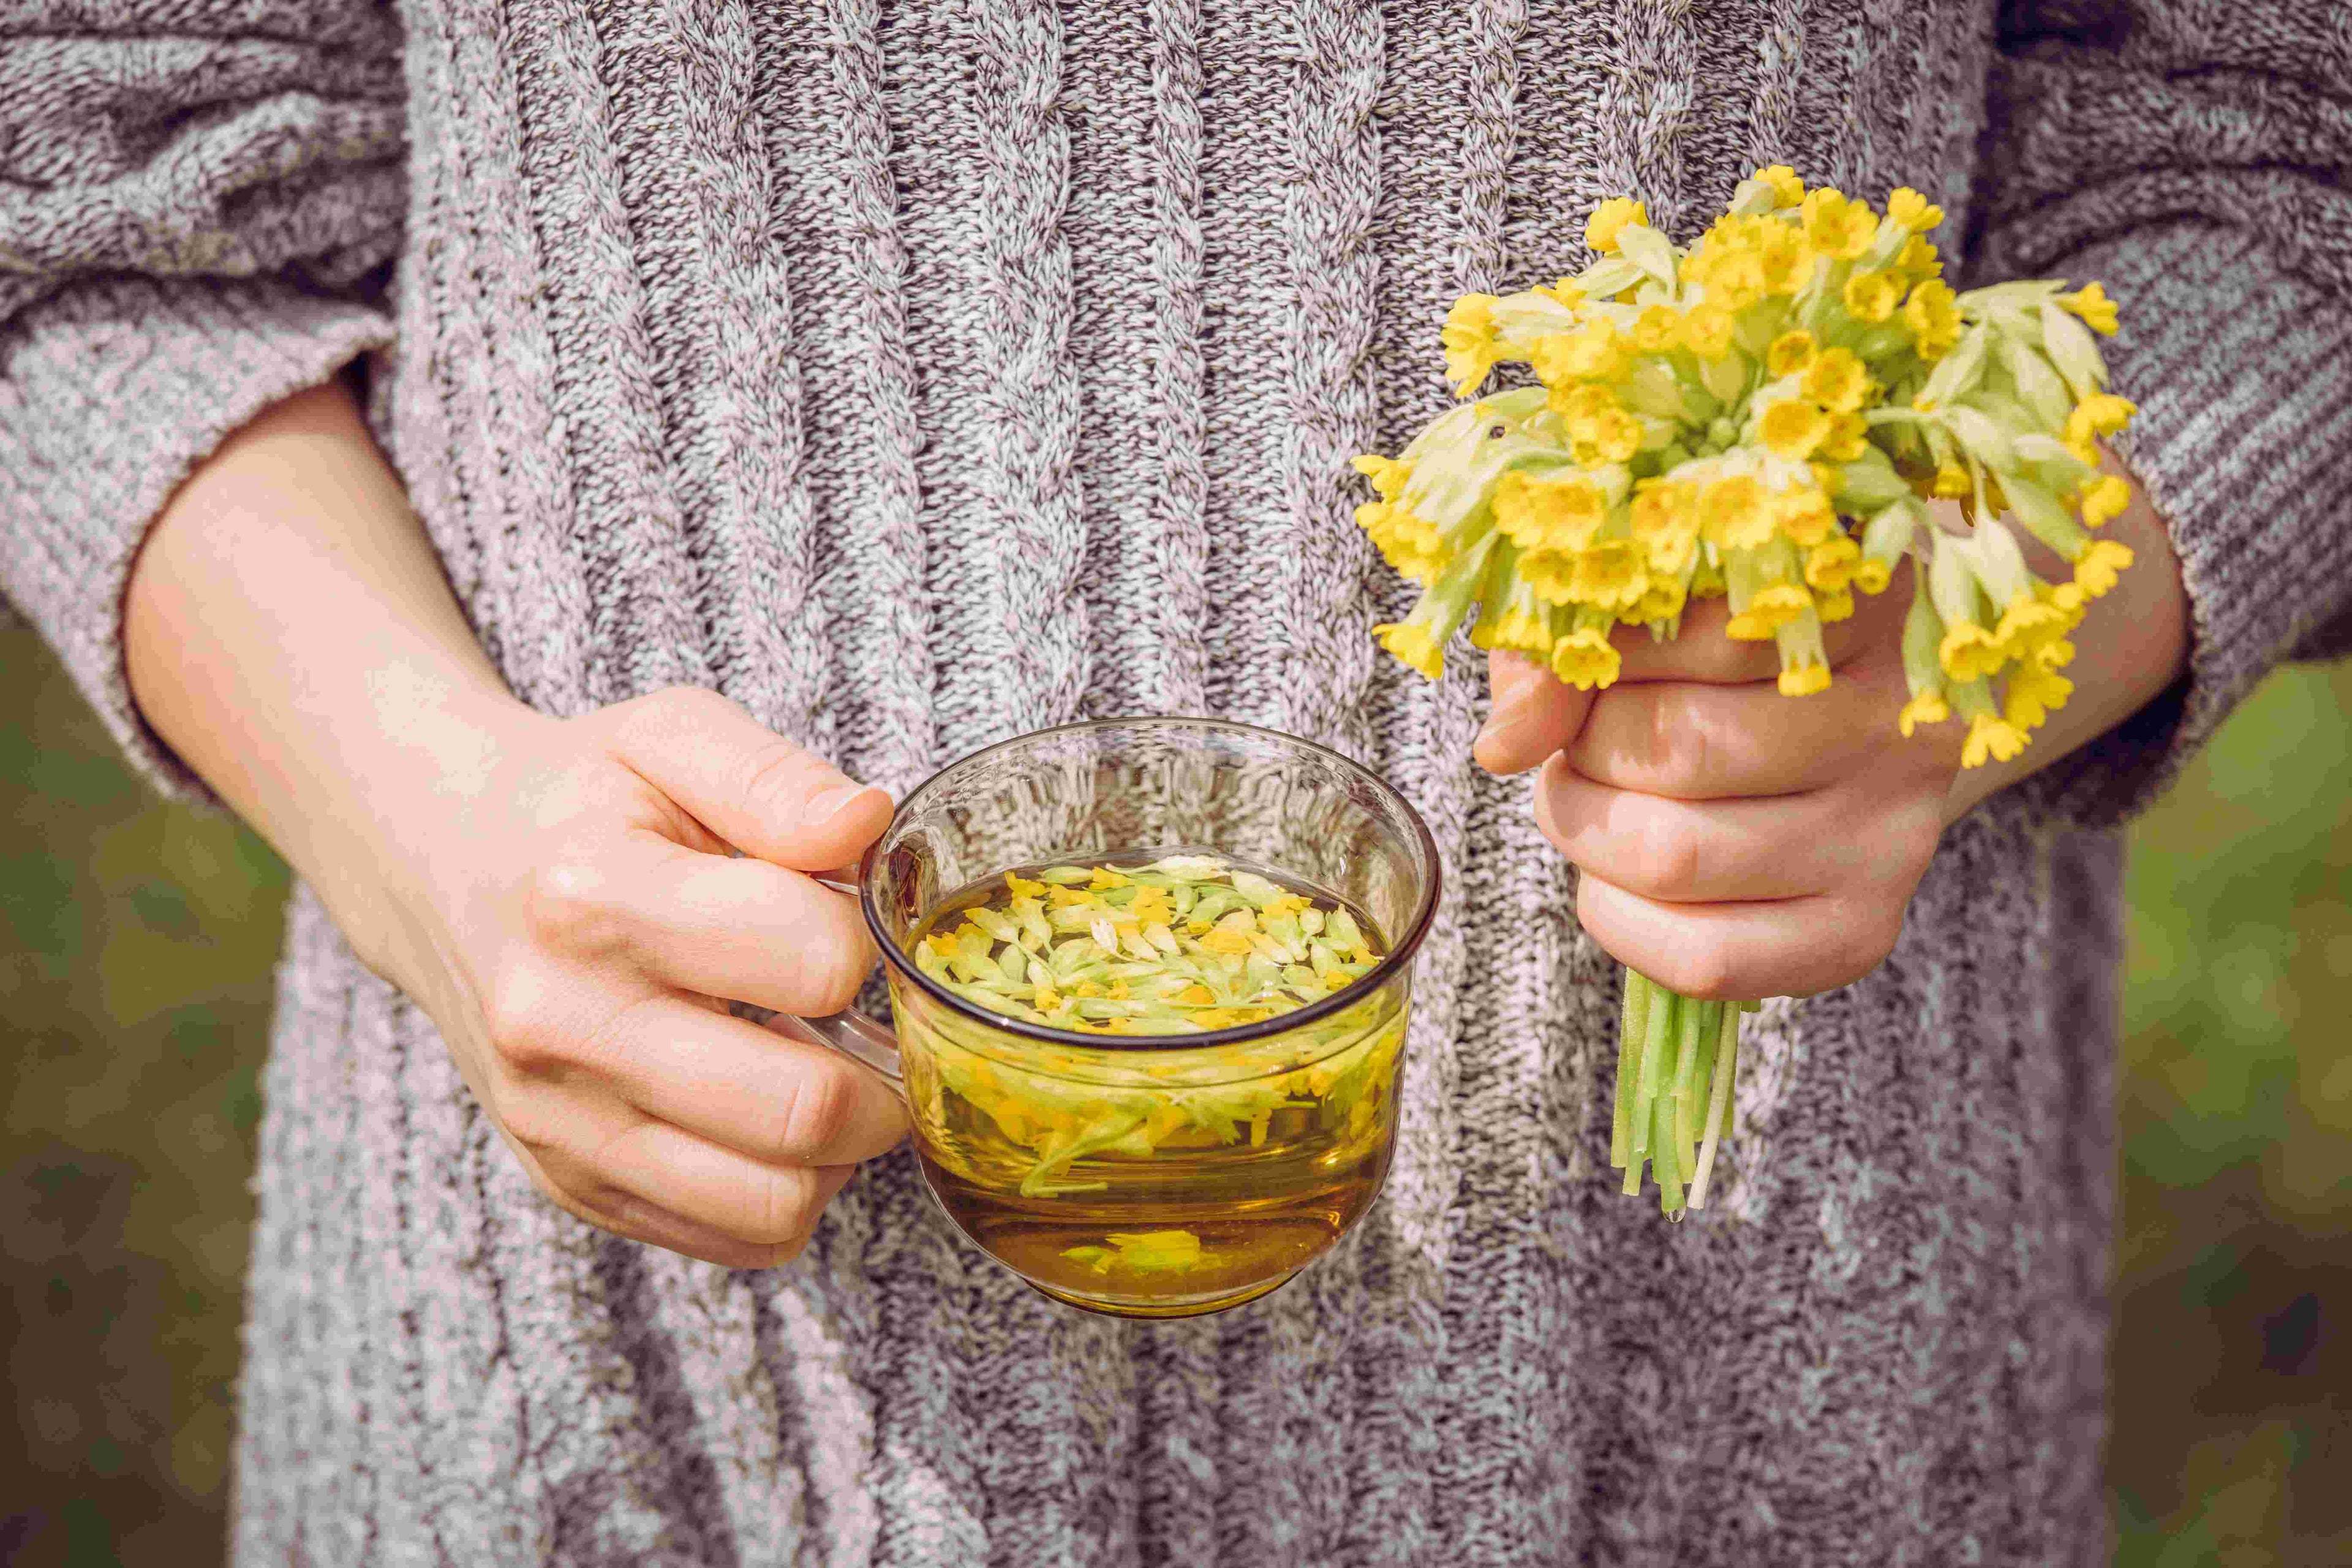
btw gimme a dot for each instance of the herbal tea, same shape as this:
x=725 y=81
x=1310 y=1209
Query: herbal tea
x=1139 y=1178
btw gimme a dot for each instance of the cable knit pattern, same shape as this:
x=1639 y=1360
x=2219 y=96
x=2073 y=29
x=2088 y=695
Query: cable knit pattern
x=923 y=373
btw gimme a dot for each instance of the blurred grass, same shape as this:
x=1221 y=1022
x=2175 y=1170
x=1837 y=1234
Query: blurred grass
x=135 y=944
x=2233 y=1437
x=135 y=948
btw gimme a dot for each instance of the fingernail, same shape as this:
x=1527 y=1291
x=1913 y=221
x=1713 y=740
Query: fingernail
x=824 y=806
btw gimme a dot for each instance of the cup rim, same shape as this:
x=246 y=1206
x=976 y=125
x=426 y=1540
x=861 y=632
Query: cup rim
x=1393 y=962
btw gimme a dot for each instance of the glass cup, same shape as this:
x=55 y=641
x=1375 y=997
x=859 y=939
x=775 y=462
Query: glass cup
x=1149 y=1175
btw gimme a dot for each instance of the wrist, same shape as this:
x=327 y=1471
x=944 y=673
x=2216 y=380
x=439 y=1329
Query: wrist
x=287 y=631
x=410 y=813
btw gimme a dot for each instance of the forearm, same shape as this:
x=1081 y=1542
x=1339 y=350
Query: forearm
x=288 y=630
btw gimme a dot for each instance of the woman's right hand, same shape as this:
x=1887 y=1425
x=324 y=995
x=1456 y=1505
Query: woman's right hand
x=578 y=919
x=558 y=894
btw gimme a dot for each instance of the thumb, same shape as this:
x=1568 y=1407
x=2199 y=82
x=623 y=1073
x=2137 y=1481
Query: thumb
x=1534 y=715
x=747 y=785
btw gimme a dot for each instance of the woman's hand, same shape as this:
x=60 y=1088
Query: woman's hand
x=559 y=895
x=577 y=917
x=1737 y=843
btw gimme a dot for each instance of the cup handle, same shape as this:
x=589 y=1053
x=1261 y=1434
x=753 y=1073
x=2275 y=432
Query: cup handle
x=850 y=1033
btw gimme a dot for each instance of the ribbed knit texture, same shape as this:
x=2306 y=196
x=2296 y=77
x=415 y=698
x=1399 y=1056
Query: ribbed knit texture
x=919 y=373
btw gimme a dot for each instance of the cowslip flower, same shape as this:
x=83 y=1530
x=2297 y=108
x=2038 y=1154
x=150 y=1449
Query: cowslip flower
x=2103 y=500
x=1932 y=313
x=1793 y=428
x=1585 y=659
x=1912 y=210
x=2090 y=304
x=1786 y=189
x=1837 y=227
x=1990 y=737
x=1468 y=338
x=1872 y=296
x=1759 y=415
x=1557 y=514
x=1771 y=608
x=1791 y=353
x=1838 y=380
x=1610 y=219
x=2096 y=568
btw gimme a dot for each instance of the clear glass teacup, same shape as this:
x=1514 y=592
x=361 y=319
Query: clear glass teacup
x=1151 y=1175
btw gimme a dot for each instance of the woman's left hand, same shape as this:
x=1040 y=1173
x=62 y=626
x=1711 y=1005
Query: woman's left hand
x=1737 y=843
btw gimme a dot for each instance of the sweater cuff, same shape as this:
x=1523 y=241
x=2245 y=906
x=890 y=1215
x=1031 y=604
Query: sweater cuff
x=2243 y=372
x=112 y=391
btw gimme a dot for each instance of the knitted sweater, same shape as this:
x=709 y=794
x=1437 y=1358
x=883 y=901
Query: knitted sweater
x=922 y=373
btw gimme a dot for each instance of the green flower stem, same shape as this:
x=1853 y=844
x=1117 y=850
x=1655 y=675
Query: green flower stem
x=1688 y=1025
x=1663 y=1161
x=1690 y=1093
x=1666 y=1009
x=1657 y=1035
x=1632 y=1027
x=1677 y=1074
x=1719 y=1108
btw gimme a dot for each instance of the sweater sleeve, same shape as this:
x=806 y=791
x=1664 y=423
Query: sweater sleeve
x=2196 y=159
x=196 y=200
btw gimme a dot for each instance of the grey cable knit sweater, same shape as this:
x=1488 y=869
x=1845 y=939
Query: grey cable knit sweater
x=923 y=372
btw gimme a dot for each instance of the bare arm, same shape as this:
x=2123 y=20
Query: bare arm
x=558 y=894
x=289 y=631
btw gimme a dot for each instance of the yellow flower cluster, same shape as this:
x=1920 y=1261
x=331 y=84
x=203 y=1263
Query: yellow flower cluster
x=1763 y=416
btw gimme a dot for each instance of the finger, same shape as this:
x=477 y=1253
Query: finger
x=764 y=1095
x=1704 y=852
x=1794 y=947
x=671 y=1170
x=569 y=1048
x=1703 y=648
x=749 y=785
x=1534 y=715
x=737 y=927
x=634 y=1219
x=1694 y=740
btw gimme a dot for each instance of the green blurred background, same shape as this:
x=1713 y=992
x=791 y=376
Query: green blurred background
x=135 y=946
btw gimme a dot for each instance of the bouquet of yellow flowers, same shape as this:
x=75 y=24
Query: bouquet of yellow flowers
x=1762 y=415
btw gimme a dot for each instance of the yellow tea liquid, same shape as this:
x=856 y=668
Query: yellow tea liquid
x=1147 y=1176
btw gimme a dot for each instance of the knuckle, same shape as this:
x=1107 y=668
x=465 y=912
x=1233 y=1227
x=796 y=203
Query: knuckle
x=832 y=972
x=1893 y=860
x=525 y=1023
x=1669 y=858
x=1708 y=971
x=1921 y=838
x=777 y=778
x=1874 y=941
x=788 y=1202
x=1866 y=939
x=820 y=1107
x=572 y=906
